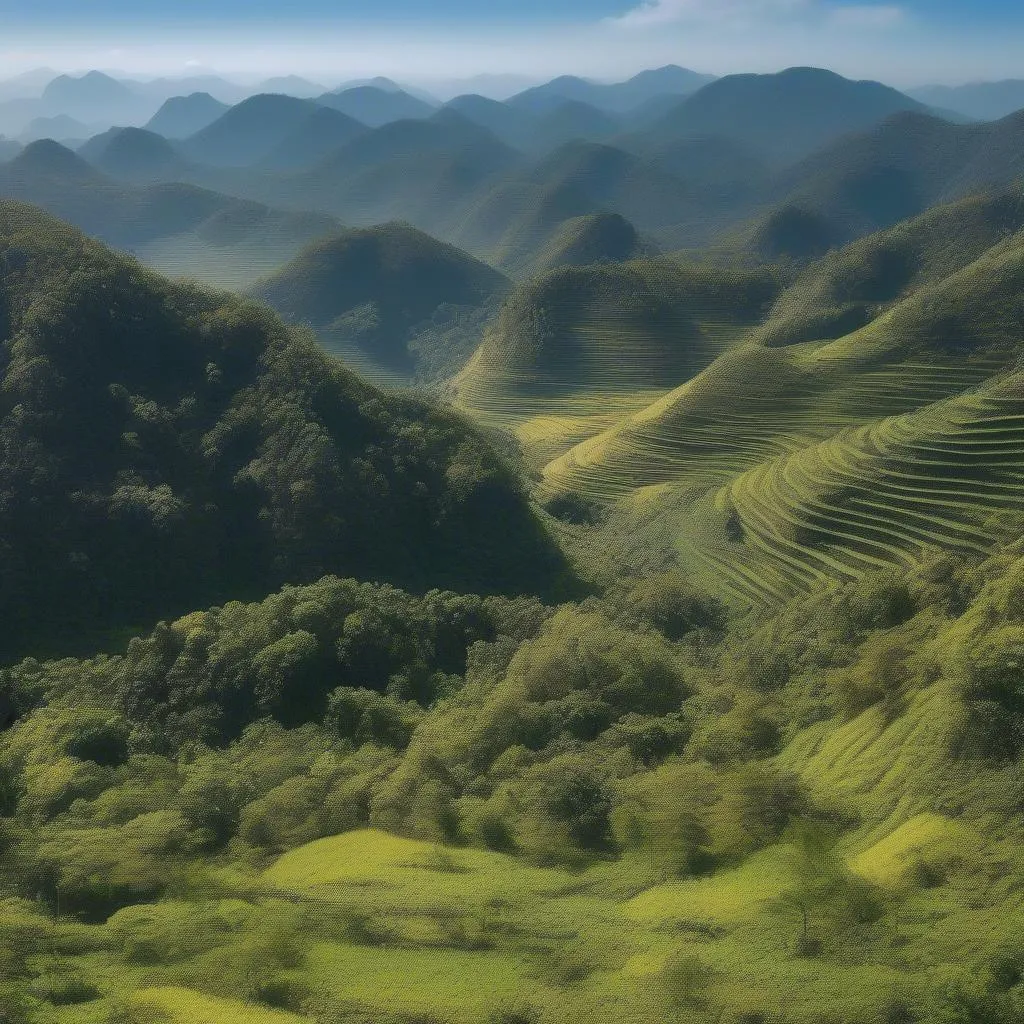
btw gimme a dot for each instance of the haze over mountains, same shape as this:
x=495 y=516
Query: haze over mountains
x=522 y=554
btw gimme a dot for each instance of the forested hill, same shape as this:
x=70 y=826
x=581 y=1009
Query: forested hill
x=162 y=446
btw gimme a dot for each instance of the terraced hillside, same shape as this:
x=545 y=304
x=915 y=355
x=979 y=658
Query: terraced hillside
x=579 y=348
x=795 y=458
x=948 y=477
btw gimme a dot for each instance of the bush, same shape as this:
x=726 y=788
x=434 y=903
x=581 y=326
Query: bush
x=103 y=743
x=66 y=990
x=994 y=690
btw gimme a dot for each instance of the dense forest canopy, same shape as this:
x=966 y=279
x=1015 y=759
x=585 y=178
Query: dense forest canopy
x=164 y=445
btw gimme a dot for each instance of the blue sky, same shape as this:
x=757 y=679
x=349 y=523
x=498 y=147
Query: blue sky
x=903 y=41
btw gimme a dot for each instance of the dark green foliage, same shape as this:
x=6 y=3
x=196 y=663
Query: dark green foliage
x=995 y=690
x=379 y=288
x=221 y=457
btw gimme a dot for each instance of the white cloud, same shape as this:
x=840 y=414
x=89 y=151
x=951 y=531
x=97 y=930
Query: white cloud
x=654 y=13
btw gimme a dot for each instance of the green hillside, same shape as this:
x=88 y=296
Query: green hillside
x=380 y=291
x=582 y=241
x=574 y=576
x=222 y=457
x=633 y=807
x=737 y=472
x=576 y=349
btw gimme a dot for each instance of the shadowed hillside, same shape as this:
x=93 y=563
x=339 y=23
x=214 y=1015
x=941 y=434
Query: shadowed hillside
x=375 y=290
x=223 y=456
x=780 y=117
x=134 y=154
x=375 y=106
x=182 y=116
x=178 y=229
x=898 y=170
x=248 y=132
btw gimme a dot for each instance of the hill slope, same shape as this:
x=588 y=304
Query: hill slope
x=176 y=228
x=375 y=106
x=780 y=117
x=163 y=446
x=897 y=170
x=182 y=116
x=986 y=101
x=882 y=419
x=617 y=97
x=376 y=289
x=249 y=131
x=576 y=349
x=134 y=154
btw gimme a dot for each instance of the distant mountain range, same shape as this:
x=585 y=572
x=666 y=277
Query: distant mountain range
x=985 y=101
x=760 y=167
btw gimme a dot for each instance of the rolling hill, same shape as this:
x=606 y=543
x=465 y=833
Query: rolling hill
x=510 y=124
x=171 y=468
x=415 y=170
x=575 y=350
x=182 y=116
x=597 y=238
x=371 y=292
x=618 y=97
x=249 y=131
x=879 y=421
x=134 y=154
x=96 y=96
x=911 y=162
x=779 y=117
x=314 y=139
x=176 y=228
x=375 y=106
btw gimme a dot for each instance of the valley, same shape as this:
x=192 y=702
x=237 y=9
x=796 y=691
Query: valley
x=511 y=560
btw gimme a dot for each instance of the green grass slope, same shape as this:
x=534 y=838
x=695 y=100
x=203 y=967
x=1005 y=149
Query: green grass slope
x=580 y=345
x=136 y=477
x=599 y=238
x=635 y=808
x=375 y=289
x=725 y=462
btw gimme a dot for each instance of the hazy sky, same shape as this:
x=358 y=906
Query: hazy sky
x=908 y=42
